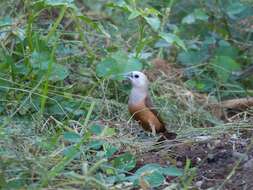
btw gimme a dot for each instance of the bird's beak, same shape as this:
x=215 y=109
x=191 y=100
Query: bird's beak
x=129 y=75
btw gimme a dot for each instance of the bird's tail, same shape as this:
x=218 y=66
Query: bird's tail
x=167 y=136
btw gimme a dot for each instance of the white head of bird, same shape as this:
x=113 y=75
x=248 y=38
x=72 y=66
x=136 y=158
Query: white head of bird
x=138 y=80
x=139 y=83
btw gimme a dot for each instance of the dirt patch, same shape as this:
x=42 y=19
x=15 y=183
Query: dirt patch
x=225 y=162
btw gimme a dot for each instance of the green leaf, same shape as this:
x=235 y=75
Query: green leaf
x=107 y=67
x=134 y=14
x=117 y=64
x=96 y=129
x=40 y=62
x=172 y=171
x=200 y=85
x=173 y=39
x=154 y=22
x=95 y=144
x=72 y=137
x=198 y=14
x=235 y=8
x=224 y=66
x=59 y=72
x=109 y=149
x=189 y=19
x=20 y=33
x=192 y=57
x=108 y=132
x=154 y=179
x=5 y=21
x=124 y=162
x=154 y=174
x=55 y=3
x=225 y=49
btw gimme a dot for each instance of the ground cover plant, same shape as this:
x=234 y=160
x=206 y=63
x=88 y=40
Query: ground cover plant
x=64 y=122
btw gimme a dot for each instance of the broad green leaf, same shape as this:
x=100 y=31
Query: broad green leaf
x=72 y=137
x=134 y=14
x=154 y=22
x=189 y=19
x=107 y=67
x=96 y=129
x=200 y=85
x=54 y=3
x=59 y=72
x=1 y=107
x=95 y=144
x=120 y=4
x=132 y=64
x=124 y=162
x=20 y=33
x=225 y=49
x=151 y=11
x=192 y=57
x=154 y=174
x=40 y=62
x=119 y=56
x=172 y=171
x=154 y=178
x=109 y=149
x=108 y=132
x=198 y=14
x=5 y=21
x=173 y=39
x=235 y=8
x=224 y=66
x=117 y=64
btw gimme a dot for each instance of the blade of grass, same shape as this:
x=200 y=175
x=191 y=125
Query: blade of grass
x=51 y=62
x=56 y=170
x=45 y=89
x=88 y=115
x=57 y=22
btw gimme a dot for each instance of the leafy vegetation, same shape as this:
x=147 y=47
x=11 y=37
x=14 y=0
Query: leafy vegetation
x=63 y=116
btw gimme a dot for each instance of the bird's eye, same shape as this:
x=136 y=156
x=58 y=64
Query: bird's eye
x=136 y=76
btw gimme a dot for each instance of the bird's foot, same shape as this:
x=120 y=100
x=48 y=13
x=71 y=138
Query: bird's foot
x=153 y=130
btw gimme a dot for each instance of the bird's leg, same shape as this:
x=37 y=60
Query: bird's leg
x=152 y=128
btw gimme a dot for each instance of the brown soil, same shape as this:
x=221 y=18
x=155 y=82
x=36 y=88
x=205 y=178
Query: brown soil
x=214 y=160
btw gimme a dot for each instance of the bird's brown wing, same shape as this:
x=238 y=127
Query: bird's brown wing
x=149 y=104
x=166 y=135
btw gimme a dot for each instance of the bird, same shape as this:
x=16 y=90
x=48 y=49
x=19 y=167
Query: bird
x=141 y=108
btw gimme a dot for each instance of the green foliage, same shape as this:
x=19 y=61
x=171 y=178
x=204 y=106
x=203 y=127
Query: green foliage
x=54 y=57
x=198 y=14
x=224 y=66
x=117 y=64
x=154 y=174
